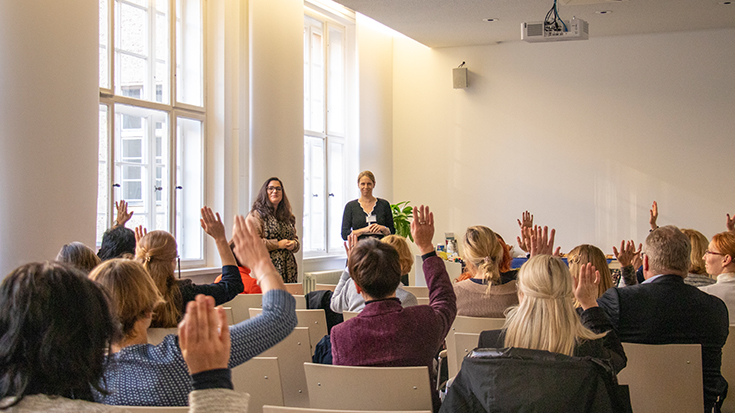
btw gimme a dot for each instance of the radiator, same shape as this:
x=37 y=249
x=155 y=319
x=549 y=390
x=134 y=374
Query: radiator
x=311 y=279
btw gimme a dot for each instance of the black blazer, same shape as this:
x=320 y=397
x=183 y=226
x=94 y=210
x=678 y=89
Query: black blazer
x=668 y=311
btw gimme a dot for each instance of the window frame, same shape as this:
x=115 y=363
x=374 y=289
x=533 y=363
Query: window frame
x=174 y=111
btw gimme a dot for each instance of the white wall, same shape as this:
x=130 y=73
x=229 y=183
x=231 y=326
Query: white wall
x=48 y=128
x=583 y=134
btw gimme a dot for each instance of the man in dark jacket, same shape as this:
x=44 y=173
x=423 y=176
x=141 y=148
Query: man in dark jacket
x=664 y=310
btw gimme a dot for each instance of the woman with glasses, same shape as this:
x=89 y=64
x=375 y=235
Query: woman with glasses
x=158 y=252
x=367 y=216
x=718 y=259
x=271 y=214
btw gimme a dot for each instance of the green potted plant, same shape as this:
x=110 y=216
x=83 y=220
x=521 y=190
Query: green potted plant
x=402 y=213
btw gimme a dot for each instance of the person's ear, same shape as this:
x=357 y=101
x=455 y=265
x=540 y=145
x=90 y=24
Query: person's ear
x=727 y=260
x=645 y=263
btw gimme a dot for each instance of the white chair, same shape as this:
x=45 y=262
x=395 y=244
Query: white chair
x=664 y=377
x=295 y=288
x=156 y=335
x=292 y=352
x=261 y=378
x=463 y=344
x=463 y=324
x=230 y=316
x=418 y=291
x=728 y=370
x=365 y=388
x=315 y=320
x=329 y=287
x=241 y=305
x=300 y=302
x=423 y=300
x=349 y=314
x=280 y=409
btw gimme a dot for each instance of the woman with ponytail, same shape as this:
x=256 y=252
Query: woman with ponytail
x=487 y=293
x=158 y=252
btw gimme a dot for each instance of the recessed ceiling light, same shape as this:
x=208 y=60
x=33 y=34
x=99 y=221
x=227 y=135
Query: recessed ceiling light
x=490 y=19
x=604 y=12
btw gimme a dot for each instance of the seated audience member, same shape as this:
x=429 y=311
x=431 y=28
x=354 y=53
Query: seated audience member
x=78 y=255
x=718 y=259
x=157 y=251
x=346 y=297
x=143 y=374
x=52 y=351
x=486 y=293
x=506 y=273
x=698 y=275
x=584 y=254
x=248 y=281
x=384 y=333
x=664 y=310
x=404 y=252
x=118 y=241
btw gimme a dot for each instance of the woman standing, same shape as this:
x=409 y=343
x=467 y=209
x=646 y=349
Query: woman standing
x=367 y=216
x=276 y=225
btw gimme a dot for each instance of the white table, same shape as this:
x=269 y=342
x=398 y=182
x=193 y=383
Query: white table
x=453 y=268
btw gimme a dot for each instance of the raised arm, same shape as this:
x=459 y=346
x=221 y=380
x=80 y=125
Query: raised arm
x=541 y=242
x=730 y=223
x=526 y=222
x=213 y=226
x=122 y=214
x=653 y=216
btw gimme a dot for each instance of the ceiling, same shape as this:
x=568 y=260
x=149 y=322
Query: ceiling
x=451 y=23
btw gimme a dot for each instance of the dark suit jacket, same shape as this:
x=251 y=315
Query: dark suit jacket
x=667 y=311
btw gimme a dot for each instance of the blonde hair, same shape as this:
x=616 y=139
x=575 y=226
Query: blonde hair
x=699 y=246
x=368 y=174
x=581 y=255
x=405 y=258
x=484 y=252
x=156 y=251
x=78 y=255
x=131 y=290
x=545 y=319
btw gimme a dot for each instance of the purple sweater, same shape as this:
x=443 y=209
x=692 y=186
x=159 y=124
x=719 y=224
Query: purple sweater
x=385 y=334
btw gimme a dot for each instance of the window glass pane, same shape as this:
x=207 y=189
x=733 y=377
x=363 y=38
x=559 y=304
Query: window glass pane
x=189 y=52
x=161 y=80
x=130 y=75
x=313 y=75
x=141 y=159
x=307 y=88
x=132 y=28
x=104 y=44
x=336 y=197
x=314 y=196
x=103 y=178
x=336 y=112
x=190 y=196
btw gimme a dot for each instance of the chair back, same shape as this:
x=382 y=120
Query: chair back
x=422 y=300
x=241 y=305
x=292 y=352
x=300 y=302
x=418 y=291
x=364 y=388
x=230 y=316
x=728 y=370
x=326 y=287
x=156 y=335
x=663 y=377
x=463 y=344
x=295 y=288
x=260 y=377
x=281 y=409
x=472 y=325
x=349 y=314
x=315 y=320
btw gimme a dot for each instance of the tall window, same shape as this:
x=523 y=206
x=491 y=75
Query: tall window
x=152 y=117
x=325 y=133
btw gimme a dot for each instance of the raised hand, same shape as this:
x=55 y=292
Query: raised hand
x=204 y=337
x=637 y=261
x=251 y=252
x=527 y=222
x=122 y=214
x=730 y=223
x=524 y=241
x=653 y=216
x=422 y=229
x=350 y=243
x=212 y=224
x=627 y=253
x=585 y=286
x=140 y=232
x=541 y=242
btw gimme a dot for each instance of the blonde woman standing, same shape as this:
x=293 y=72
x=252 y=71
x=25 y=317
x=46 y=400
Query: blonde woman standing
x=486 y=293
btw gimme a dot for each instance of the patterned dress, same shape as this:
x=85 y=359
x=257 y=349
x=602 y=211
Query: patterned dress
x=271 y=230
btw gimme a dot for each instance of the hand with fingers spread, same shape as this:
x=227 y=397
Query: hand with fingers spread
x=350 y=243
x=422 y=229
x=627 y=253
x=527 y=220
x=730 y=223
x=204 y=337
x=213 y=226
x=653 y=216
x=637 y=261
x=140 y=232
x=585 y=286
x=542 y=242
x=524 y=241
x=122 y=214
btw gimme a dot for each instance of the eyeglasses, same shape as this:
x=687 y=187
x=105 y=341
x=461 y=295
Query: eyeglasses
x=712 y=253
x=274 y=188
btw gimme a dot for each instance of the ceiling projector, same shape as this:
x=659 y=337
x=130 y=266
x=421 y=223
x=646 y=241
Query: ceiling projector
x=537 y=32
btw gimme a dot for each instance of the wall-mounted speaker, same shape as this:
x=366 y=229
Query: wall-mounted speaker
x=459 y=77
